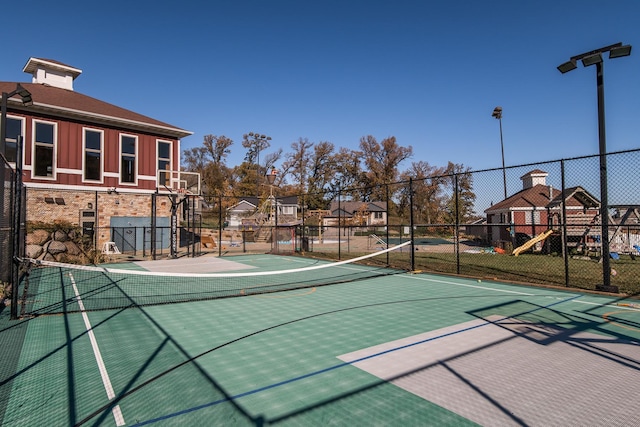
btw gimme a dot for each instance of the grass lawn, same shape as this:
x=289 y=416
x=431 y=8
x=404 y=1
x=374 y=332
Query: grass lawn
x=526 y=268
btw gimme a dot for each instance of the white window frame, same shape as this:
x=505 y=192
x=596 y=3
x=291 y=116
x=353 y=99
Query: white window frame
x=532 y=217
x=287 y=209
x=135 y=159
x=84 y=154
x=35 y=144
x=158 y=143
x=22 y=121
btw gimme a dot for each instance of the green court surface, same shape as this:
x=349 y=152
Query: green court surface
x=402 y=349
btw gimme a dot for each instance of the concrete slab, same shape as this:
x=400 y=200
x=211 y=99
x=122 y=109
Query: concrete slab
x=504 y=372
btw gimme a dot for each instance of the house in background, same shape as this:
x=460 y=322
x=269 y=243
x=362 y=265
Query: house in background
x=538 y=208
x=84 y=160
x=356 y=213
x=252 y=212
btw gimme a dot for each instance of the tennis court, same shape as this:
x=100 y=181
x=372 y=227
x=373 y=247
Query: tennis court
x=379 y=348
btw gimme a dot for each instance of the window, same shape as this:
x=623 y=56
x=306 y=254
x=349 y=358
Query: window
x=92 y=155
x=532 y=217
x=44 y=152
x=287 y=210
x=377 y=215
x=128 y=159
x=164 y=162
x=14 y=130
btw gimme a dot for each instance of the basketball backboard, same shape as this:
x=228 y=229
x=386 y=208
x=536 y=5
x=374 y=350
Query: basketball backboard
x=178 y=182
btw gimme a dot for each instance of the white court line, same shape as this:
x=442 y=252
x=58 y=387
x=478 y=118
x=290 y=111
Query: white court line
x=117 y=413
x=578 y=301
x=446 y=282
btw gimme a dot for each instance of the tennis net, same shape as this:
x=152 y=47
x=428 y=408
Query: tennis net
x=52 y=287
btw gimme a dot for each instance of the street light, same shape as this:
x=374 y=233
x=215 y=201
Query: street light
x=26 y=101
x=497 y=113
x=271 y=178
x=259 y=140
x=590 y=58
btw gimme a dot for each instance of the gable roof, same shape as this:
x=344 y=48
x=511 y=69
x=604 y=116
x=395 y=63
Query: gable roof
x=575 y=196
x=536 y=196
x=69 y=104
x=544 y=196
x=348 y=208
x=247 y=203
x=254 y=201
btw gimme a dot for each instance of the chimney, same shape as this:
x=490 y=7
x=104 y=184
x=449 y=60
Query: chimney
x=534 y=178
x=52 y=73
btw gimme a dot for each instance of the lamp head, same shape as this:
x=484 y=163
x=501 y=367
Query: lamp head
x=271 y=176
x=592 y=59
x=497 y=113
x=620 y=51
x=567 y=66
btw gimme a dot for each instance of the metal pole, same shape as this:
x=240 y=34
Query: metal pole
x=154 y=226
x=604 y=202
x=277 y=249
x=504 y=171
x=411 y=233
x=386 y=222
x=565 y=247
x=457 y=225
x=339 y=218
x=17 y=212
x=3 y=123
x=174 y=226
x=220 y=225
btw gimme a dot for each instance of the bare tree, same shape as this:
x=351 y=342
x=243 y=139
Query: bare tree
x=297 y=163
x=381 y=161
x=210 y=162
x=427 y=185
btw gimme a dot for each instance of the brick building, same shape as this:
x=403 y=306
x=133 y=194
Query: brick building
x=86 y=161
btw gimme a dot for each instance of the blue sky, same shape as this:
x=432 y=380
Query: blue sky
x=428 y=73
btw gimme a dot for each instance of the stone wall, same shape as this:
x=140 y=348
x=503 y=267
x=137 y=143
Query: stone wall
x=50 y=206
x=58 y=245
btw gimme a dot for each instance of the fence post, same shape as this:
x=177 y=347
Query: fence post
x=457 y=224
x=220 y=225
x=17 y=211
x=565 y=246
x=153 y=226
x=174 y=226
x=387 y=221
x=411 y=232
x=339 y=220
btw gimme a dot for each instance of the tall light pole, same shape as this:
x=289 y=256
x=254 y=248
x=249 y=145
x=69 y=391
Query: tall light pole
x=590 y=58
x=271 y=178
x=259 y=141
x=497 y=113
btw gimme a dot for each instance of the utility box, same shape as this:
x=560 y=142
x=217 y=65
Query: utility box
x=87 y=222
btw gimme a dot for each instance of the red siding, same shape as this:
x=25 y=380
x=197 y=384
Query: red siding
x=70 y=153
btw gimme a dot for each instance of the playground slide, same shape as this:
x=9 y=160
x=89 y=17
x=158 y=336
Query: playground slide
x=540 y=237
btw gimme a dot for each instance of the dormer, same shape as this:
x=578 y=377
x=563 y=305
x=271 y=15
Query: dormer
x=52 y=73
x=534 y=178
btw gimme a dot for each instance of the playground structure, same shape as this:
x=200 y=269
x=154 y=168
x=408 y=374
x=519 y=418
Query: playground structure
x=539 y=238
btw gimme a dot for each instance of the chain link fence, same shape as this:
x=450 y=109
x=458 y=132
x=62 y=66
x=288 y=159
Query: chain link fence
x=7 y=176
x=548 y=230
